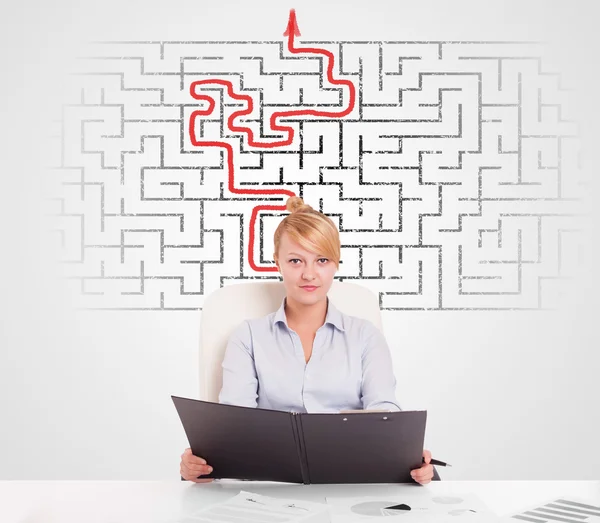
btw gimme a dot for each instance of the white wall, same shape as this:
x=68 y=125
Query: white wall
x=86 y=394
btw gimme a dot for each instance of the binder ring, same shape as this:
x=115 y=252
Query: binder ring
x=345 y=419
x=385 y=417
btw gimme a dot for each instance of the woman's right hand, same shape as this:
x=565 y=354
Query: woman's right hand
x=193 y=466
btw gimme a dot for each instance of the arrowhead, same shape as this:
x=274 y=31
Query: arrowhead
x=292 y=25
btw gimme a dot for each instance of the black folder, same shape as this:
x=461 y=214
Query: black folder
x=271 y=445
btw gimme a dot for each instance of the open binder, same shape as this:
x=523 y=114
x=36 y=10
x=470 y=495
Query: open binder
x=270 y=445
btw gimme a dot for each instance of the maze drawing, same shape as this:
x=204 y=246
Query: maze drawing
x=452 y=169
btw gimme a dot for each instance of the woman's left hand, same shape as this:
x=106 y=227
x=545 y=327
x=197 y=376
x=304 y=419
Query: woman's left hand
x=423 y=474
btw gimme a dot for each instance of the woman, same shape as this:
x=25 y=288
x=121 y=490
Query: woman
x=307 y=356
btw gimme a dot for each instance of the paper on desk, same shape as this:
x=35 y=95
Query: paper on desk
x=256 y=508
x=420 y=506
x=565 y=508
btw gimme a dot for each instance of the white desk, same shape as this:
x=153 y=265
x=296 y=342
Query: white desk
x=156 y=501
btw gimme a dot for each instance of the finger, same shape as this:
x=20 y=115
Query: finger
x=423 y=480
x=417 y=477
x=427 y=477
x=204 y=480
x=191 y=458
x=427 y=456
x=193 y=477
x=426 y=470
x=196 y=470
x=422 y=473
x=190 y=469
x=186 y=473
x=201 y=470
x=421 y=470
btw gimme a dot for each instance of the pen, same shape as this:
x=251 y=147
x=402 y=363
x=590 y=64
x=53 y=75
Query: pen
x=437 y=462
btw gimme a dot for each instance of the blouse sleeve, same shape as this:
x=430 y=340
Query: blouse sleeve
x=240 y=382
x=378 y=380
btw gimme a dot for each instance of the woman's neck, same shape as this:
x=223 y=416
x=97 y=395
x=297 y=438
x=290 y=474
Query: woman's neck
x=305 y=317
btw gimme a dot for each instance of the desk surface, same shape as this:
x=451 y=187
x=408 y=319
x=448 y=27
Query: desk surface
x=159 y=501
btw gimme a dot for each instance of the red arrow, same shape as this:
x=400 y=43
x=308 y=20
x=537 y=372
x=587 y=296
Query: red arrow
x=292 y=25
x=291 y=31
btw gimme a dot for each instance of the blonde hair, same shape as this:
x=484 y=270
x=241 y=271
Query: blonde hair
x=311 y=229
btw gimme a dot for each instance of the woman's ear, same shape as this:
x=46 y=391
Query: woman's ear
x=280 y=276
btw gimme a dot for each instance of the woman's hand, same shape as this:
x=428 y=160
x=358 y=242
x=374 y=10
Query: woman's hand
x=192 y=466
x=423 y=474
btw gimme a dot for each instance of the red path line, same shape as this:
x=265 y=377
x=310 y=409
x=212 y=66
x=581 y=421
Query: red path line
x=291 y=31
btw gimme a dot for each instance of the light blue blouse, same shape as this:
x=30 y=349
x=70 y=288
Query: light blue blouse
x=350 y=366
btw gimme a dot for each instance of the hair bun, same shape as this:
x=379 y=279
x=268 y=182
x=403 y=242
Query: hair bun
x=296 y=204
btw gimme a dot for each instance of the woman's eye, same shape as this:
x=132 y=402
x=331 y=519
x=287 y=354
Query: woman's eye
x=296 y=259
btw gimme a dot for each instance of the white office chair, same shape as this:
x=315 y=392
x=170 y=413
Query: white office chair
x=227 y=307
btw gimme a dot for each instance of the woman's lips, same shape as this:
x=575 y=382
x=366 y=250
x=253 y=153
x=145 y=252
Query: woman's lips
x=309 y=288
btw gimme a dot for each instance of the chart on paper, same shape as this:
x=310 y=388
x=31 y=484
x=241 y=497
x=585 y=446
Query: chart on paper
x=247 y=506
x=422 y=507
x=564 y=510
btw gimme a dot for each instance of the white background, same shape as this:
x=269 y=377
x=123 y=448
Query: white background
x=86 y=395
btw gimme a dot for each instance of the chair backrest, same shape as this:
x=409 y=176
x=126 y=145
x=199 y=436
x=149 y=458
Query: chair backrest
x=227 y=307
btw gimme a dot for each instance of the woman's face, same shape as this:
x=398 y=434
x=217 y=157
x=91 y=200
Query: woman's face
x=300 y=267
